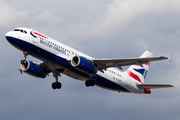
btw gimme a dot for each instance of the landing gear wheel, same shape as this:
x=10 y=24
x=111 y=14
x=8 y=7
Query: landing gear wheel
x=89 y=83
x=92 y=82
x=56 y=85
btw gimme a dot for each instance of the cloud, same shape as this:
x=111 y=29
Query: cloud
x=120 y=13
x=46 y=17
x=10 y=15
x=123 y=29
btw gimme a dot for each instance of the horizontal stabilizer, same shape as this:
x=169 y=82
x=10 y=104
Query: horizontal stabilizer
x=153 y=86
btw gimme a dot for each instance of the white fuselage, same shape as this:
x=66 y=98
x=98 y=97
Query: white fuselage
x=46 y=48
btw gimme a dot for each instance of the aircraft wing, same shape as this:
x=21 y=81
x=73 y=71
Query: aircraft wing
x=106 y=63
x=153 y=86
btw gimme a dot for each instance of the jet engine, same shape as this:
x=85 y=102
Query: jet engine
x=83 y=65
x=32 y=69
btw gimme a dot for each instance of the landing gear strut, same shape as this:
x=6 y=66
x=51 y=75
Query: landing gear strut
x=56 y=85
x=25 y=54
x=24 y=62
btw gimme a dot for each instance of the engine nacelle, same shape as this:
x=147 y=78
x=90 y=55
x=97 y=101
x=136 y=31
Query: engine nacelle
x=32 y=69
x=83 y=65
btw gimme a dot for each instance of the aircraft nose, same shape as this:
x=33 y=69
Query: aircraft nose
x=10 y=36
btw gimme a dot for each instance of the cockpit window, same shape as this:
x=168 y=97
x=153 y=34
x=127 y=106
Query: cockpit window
x=17 y=30
x=23 y=31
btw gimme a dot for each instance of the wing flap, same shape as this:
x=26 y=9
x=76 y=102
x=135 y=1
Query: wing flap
x=153 y=86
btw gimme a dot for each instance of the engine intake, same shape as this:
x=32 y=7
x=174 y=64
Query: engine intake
x=32 y=69
x=83 y=65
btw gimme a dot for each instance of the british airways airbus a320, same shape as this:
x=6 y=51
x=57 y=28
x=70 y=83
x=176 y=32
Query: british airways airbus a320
x=62 y=59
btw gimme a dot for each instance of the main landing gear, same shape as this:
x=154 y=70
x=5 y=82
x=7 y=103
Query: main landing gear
x=89 y=83
x=56 y=85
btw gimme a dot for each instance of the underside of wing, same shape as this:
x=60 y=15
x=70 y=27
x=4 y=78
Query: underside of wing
x=153 y=86
x=45 y=67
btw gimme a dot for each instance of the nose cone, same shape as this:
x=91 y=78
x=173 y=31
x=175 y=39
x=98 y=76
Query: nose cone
x=11 y=37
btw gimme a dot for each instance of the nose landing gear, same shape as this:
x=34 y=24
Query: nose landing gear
x=55 y=85
x=24 y=63
x=25 y=54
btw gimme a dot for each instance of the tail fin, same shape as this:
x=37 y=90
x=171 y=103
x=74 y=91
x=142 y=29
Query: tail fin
x=139 y=72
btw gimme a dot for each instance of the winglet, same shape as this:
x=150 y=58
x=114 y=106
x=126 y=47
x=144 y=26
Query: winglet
x=169 y=59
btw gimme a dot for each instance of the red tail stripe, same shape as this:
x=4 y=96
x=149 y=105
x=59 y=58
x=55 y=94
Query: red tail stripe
x=148 y=64
x=133 y=76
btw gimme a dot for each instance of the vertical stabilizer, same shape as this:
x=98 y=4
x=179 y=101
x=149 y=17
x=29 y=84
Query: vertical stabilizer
x=138 y=72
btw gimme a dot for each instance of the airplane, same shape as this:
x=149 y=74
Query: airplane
x=59 y=58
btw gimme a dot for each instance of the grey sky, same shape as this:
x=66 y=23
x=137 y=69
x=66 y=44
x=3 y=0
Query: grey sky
x=101 y=29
